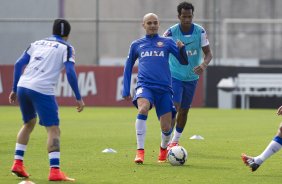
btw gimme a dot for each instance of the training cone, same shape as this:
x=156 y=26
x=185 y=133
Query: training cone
x=197 y=137
x=26 y=182
x=109 y=150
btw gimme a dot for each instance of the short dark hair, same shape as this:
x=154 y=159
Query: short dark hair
x=61 y=27
x=186 y=6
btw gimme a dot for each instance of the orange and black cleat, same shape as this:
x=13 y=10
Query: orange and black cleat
x=249 y=161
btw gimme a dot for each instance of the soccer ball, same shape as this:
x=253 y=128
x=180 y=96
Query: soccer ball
x=177 y=155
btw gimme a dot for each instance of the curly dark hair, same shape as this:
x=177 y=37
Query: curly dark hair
x=186 y=6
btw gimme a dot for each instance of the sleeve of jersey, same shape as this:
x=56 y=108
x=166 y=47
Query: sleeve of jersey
x=21 y=62
x=69 y=54
x=72 y=79
x=180 y=54
x=167 y=33
x=132 y=56
x=204 y=39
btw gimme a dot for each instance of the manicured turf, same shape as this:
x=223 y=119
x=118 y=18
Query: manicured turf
x=216 y=159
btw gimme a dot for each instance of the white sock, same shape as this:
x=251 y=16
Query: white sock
x=176 y=136
x=165 y=139
x=272 y=148
x=54 y=159
x=19 y=151
x=140 y=126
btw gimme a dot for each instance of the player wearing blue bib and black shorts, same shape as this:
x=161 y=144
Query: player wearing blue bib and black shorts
x=185 y=78
x=154 y=81
x=34 y=88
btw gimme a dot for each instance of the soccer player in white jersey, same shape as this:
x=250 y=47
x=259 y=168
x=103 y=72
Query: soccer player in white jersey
x=274 y=146
x=34 y=89
x=185 y=77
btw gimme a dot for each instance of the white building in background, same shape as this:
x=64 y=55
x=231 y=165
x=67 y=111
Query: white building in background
x=107 y=41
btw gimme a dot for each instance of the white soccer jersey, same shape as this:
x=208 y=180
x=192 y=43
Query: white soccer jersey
x=47 y=59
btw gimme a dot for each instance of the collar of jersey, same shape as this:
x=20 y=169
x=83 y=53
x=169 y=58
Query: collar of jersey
x=189 y=32
x=58 y=37
x=152 y=36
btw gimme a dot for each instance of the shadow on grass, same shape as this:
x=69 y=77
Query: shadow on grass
x=209 y=167
x=186 y=166
x=216 y=157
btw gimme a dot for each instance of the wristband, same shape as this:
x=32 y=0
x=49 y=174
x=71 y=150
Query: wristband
x=205 y=64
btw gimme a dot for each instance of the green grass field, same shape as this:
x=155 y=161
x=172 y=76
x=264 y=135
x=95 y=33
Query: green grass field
x=216 y=159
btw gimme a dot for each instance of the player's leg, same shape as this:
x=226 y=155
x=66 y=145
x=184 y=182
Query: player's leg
x=164 y=108
x=53 y=147
x=25 y=131
x=177 y=88
x=189 y=88
x=140 y=126
x=177 y=106
x=173 y=122
x=165 y=121
x=177 y=98
x=143 y=102
x=273 y=147
x=21 y=145
x=47 y=109
x=180 y=125
x=29 y=118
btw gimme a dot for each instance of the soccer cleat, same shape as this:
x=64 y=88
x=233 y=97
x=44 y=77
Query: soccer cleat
x=249 y=161
x=18 y=169
x=171 y=144
x=162 y=155
x=57 y=175
x=139 y=159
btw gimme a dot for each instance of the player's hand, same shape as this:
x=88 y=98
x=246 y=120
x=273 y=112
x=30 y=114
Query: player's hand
x=12 y=98
x=80 y=105
x=200 y=69
x=279 y=111
x=127 y=98
x=179 y=44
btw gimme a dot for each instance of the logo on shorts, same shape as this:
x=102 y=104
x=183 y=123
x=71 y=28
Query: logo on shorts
x=139 y=91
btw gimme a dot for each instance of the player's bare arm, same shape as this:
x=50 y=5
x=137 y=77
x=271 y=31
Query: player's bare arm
x=208 y=57
x=12 y=98
x=80 y=105
x=179 y=44
x=128 y=98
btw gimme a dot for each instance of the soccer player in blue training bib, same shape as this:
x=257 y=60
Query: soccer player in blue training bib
x=154 y=82
x=274 y=146
x=185 y=77
x=34 y=88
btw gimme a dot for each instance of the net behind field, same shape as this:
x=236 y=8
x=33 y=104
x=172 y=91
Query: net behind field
x=252 y=38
